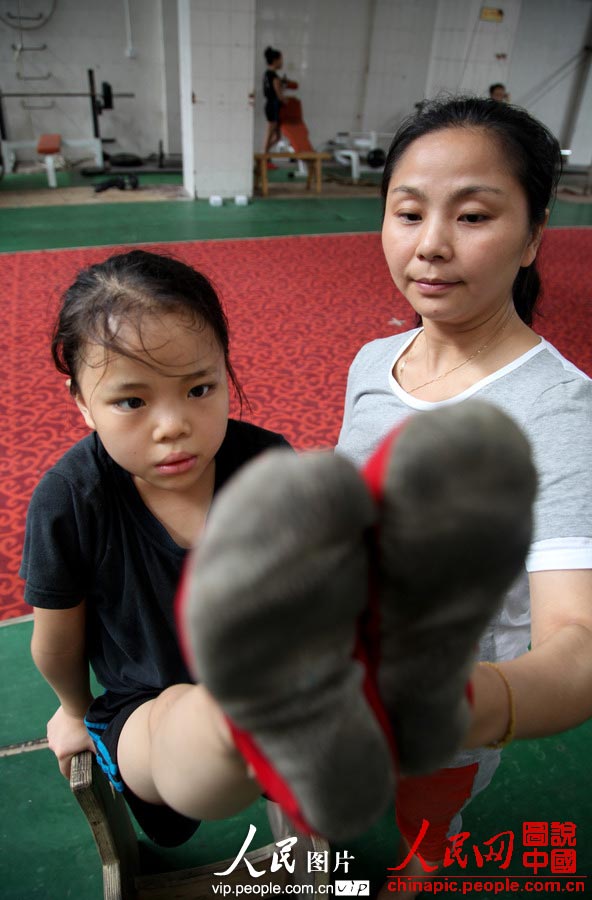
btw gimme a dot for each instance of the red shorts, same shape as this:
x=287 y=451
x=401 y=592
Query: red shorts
x=436 y=798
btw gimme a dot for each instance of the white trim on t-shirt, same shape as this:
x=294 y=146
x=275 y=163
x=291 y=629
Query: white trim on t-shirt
x=415 y=403
x=560 y=553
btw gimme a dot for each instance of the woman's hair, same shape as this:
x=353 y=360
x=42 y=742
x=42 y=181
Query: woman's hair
x=128 y=287
x=271 y=55
x=532 y=152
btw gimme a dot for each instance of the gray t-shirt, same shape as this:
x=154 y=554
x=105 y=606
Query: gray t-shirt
x=552 y=402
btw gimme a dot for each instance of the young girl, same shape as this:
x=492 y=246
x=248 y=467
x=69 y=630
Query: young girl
x=466 y=190
x=273 y=91
x=143 y=341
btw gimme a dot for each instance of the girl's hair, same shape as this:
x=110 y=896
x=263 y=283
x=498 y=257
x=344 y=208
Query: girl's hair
x=271 y=55
x=127 y=287
x=532 y=152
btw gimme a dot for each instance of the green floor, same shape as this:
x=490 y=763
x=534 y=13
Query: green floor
x=52 y=227
x=46 y=850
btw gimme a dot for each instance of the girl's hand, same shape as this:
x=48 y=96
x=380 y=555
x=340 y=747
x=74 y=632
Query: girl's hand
x=67 y=736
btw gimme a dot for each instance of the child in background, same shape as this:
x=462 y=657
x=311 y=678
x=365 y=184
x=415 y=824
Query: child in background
x=273 y=91
x=144 y=343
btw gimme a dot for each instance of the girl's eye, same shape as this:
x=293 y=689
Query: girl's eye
x=409 y=216
x=130 y=403
x=200 y=390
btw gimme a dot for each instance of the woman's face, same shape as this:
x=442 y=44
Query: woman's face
x=456 y=226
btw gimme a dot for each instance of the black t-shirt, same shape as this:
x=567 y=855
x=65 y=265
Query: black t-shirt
x=89 y=536
x=269 y=91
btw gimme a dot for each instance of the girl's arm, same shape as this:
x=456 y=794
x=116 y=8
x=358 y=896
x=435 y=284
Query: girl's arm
x=551 y=684
x=58 y=651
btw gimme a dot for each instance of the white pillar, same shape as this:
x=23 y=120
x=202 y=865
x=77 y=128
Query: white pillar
x=185 y=95
x=216 y=69
x=170 y=77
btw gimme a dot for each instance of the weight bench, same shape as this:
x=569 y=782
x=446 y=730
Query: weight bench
x=107 y=815
x=48 y=146
x=352 y=148
x=9 y=149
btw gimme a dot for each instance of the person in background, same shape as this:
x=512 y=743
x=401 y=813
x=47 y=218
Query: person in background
x=498 y=92
x=273 y=91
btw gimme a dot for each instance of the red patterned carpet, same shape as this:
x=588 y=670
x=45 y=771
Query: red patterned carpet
x=299 y=309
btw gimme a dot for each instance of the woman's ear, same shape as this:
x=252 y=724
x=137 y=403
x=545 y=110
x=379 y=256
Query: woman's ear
x=532 y=248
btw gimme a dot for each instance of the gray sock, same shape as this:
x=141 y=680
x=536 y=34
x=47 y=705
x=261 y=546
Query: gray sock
x=454 y=530
x=276 y=589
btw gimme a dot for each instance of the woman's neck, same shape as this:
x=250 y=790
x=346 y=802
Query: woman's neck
x=445 y=344
x=444 y=361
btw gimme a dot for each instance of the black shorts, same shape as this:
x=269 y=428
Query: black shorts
x=272 y=111
x=104 y=721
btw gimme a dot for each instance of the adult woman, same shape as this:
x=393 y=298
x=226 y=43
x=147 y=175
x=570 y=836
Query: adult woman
x=466 y=190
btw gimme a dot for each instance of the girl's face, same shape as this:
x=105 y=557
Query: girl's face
x=456 y=226
x=161 y=415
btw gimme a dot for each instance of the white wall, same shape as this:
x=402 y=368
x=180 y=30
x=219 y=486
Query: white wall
x=550 y=36
x=361 y=64
x=581 y=145
x=399 y=58
x=83 y=34
x=364 y=64
x=468 y=53
x=323 y=48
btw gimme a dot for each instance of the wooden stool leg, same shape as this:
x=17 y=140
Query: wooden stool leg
x=318 y=174
x=256 y=176
x=108 y=818
x=107 y=815
x=264 y=182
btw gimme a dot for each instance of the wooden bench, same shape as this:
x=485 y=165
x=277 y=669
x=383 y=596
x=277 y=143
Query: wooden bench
x=311 y=157
x=107 y=815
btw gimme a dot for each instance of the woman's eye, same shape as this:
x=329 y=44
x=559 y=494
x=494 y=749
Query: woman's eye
x=409 y=216
x=473 y=218
x=130 y=403
x=200 y=390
